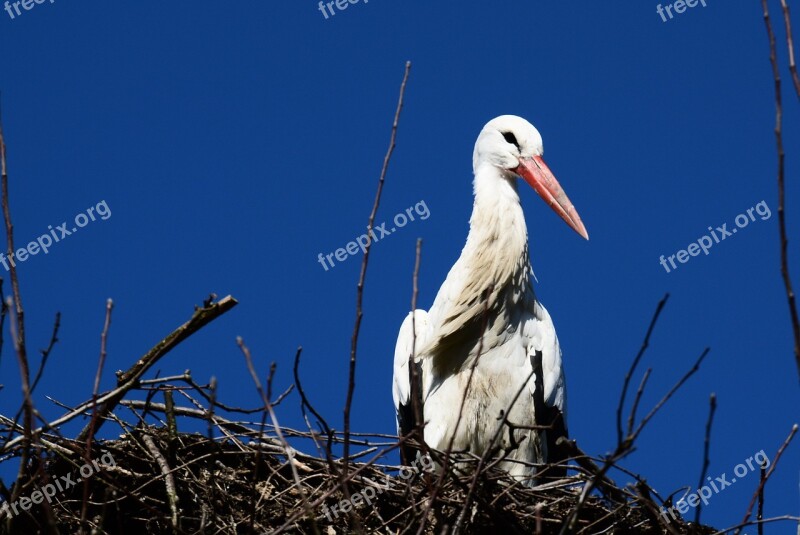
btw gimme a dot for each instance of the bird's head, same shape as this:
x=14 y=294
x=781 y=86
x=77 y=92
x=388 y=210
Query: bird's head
x=514 y=146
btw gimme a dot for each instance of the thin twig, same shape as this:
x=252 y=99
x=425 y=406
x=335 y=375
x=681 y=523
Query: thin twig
x=669 y=394
x=415 y=391
x=212 y=386
x=790 y=46
x=712 y=402
x=129 y=379
x=626 y=446
x=46 y=352
x=790 y=296
x=306 y=404
x=268 y=409
x=351 y=383
x=169 y=480
x=19 y=339
x=763 y=482
x=638 y=398
x=90 y=437
x=3 y=313
x=634 y=364
x=738 y=527
x=762 y=479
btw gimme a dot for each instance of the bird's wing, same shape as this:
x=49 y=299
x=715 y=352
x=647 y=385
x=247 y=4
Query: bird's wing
x=548 y=387
x=455 y=316
x=401 y=385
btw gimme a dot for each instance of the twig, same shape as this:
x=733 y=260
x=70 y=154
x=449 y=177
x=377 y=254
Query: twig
x=738 y=527
x=712 y=402
x=3 y=313
x=288 y=450
x=305 y=404
x=634 y=364
x=763 y=482
x=586 y=462
x=643 y=491
x=46 y=352
x=415 y=390
x=790 y=46
x=90 y=437
x=351 y=384
x=638 y=398
x=129 y=379
x=212 y=386
x=172 y=423
x=669 y=394
x=100 y=365
x=773 y=58
x=760 y=515
x=257 y=461
x=625 y=446
x=103 y=352
x=19 y=339
x=169 y=480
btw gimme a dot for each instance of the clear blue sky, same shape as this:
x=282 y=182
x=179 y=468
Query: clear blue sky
x=234 y=142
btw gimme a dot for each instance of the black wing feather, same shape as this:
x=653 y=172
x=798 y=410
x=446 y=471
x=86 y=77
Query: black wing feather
x=553 y=419
x=407 y=422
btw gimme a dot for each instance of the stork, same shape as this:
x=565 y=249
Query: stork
x=486 y=316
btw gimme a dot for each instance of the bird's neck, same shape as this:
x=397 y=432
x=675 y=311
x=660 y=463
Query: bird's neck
x=498 y=238
x=492 y=275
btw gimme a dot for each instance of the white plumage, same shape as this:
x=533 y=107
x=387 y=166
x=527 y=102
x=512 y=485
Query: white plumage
x=492 y=276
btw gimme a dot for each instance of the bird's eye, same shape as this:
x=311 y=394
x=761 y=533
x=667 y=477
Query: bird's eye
x=509 y=137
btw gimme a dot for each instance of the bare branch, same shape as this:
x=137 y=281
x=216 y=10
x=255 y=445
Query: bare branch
x=712 y=402
x=169 y=480
x=634 y=364
x=790 y=296
x=763 y=481
x=790 y=46
x=351 y=385
x=287 y=449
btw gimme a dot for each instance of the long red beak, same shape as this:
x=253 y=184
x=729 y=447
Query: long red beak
x=540 y=178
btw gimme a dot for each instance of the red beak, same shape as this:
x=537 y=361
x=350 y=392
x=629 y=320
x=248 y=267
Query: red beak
x=540 y=178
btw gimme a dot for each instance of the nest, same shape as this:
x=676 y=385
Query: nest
x=233 y=475
x=152 y=480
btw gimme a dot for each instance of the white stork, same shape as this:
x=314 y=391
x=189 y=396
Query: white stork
x=489 y=294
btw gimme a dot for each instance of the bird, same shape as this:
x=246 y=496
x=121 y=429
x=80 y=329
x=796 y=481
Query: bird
x=486 y=316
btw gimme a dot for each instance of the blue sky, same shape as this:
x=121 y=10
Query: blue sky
x=235 y=142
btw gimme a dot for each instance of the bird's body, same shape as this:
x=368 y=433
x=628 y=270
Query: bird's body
x=487 y=310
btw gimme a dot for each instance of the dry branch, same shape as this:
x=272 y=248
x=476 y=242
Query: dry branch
x=363 y=274
x=773 y=58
